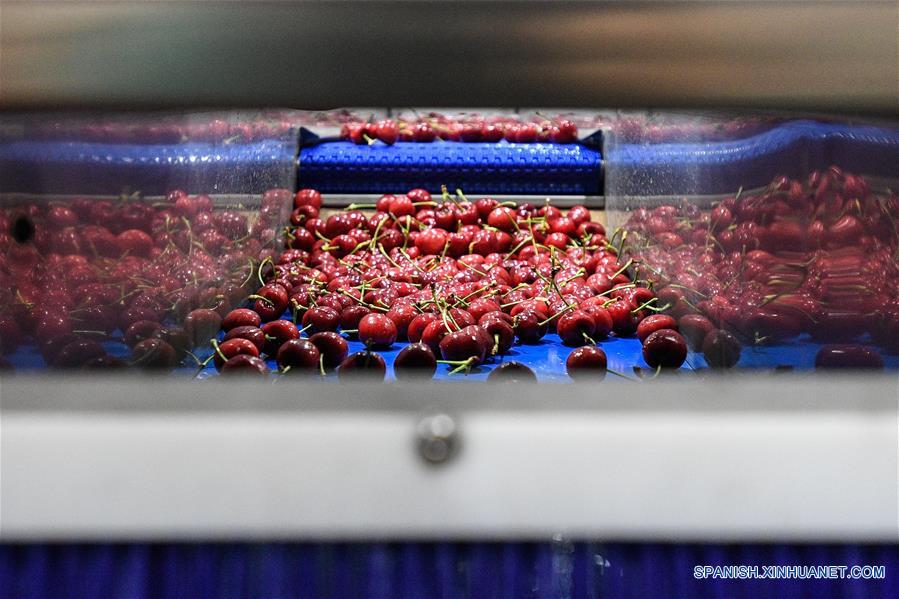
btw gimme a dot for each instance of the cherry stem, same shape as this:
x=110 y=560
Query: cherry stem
x=268 y=260
x=215 y=346
x=321 y=364
x=460 y=364
x=624 y=376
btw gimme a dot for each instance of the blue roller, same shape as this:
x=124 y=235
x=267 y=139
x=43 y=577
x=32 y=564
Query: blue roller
x=494 y=168
x=101 y=168
x=792 y=149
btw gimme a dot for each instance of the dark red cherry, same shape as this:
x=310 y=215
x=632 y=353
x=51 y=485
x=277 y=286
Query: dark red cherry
x=201 y=325
x=575 y=328
x=321 y=318
x=433 y=334
x=529 y=326
x=852 y=357
x=245 y=364
x=721 y=349
x=140 y=330
x=402 y=316
x=331 y=346
x=501 y=335
x=377 y=330
x=78 y=352
x=512 y=372
x=277 y=332
x=653 y=323
x=665 y=348
x=459 y=346
x=350 y=317
x=416 y=361
x=252 y=334
x=241 y=317
x=104 y=362
x=298 y=355
x=362 y=366
x=624 y=321
x=232 y=347
x=418 y=325
x=587 y=363
x=695 y=328
x=154 y=354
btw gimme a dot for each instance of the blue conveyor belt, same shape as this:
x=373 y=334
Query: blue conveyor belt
x=488 y=168
x=413 y=570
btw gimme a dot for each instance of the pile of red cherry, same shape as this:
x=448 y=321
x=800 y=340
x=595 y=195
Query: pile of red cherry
x=471 y=129
x=75 y=274
x=461 y=281
x=819 y=256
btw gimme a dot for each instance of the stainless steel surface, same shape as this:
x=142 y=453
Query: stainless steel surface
x=768 y=458
x=798 y=55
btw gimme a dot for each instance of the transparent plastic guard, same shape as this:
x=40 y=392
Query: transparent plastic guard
x=125 y=238
x=772 y=240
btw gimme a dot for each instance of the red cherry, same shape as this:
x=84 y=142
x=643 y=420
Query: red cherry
x=401 y=206
x=232 y=347
x=624 y=321
x=308 y=197
x=240 y=317
x=721 y=349
x=587 y=363
x=432 y=241
x=665 y=348
x=350 y=317
x=250 y=333
x=852 y=357
x=299 y=355
x=418 y=325
x=512 y=372
x=140 y=330
x=244 y=364
x=278 y=332
x=332 y=347
x=416 y=361
x=402 y=316
x=463 y=345
x=362 y=366
x=485 y=206
x=500 y=334
x=201 y=325
x=387 y=131
x=602 y=320
x=653 y=323
x=502 y=218
x=377 y=330
x=154 y=354
x=76 y=353
x=575 y=328
x=321 y=318
x=529 y=326
x=695 y=328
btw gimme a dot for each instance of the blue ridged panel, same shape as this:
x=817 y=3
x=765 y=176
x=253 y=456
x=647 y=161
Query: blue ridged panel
x=425 y=571
x=100 y=168
x=486 y=168
x=793 y=149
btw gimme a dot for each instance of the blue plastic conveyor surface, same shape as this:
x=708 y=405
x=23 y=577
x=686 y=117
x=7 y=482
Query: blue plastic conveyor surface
x=490 y=168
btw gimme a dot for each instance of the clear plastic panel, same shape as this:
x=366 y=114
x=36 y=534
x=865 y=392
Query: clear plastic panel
x=125 y=238
x=780 y=232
